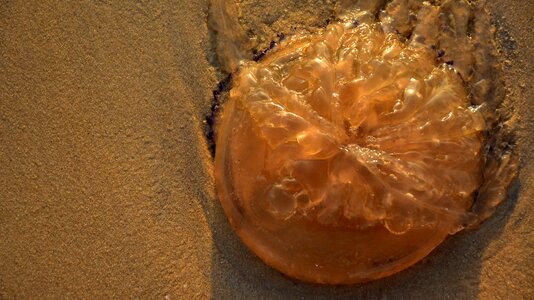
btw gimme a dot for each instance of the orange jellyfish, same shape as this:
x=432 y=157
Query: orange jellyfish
x=349 y=154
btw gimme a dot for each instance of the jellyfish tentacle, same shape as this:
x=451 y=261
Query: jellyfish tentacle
x=454 y=40
x=231 y=39
x=426 y=31
x=400 y=16
x=487 y=87
x=499 y=173
x=350 y=10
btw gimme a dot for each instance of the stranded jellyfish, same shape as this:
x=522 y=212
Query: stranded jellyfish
x=350 y=153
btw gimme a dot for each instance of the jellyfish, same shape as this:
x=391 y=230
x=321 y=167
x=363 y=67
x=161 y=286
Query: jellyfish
x=348 y=154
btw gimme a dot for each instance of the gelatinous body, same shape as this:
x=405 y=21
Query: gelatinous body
x=348 y=155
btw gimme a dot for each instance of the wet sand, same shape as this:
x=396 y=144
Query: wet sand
x=106 y=187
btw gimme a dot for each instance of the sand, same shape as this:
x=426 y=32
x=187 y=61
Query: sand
x=106 y=186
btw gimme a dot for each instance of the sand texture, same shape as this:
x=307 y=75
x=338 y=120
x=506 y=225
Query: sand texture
x=106 y=181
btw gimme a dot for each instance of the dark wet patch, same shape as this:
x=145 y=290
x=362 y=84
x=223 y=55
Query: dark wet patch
x=218 y=99
x=258 y=55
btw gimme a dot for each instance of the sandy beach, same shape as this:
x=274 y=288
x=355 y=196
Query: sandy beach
x=106 y=180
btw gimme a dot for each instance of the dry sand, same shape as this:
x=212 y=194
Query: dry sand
x=106 y=187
